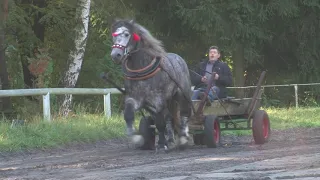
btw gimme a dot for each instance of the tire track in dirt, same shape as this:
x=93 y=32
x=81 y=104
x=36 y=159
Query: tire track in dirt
x=114 y=160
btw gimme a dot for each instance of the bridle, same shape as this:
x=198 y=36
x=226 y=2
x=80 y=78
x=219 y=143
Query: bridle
x=136 y=38
x=137 y=74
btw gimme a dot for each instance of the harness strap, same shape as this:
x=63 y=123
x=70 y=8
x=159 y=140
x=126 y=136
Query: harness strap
x=144 y=77
x=144 y=73
x=142 y=69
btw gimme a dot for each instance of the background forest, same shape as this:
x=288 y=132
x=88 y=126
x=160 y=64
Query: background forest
x=279 y=36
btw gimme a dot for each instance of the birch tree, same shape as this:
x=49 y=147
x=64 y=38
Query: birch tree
x=76 y=55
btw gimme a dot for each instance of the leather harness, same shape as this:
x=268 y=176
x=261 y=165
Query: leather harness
x=144 y=73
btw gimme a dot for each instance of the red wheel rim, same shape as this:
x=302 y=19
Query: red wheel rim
x=265 y=127
x=216 y=131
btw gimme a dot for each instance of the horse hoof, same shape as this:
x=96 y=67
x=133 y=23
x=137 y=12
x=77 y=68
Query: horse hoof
x=137 y=140
x=183 y=142
x=170 y=146
x=161 y=150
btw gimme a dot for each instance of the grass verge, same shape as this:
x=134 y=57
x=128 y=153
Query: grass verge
x=89 y=128
x=281 y=118
x=77 y=129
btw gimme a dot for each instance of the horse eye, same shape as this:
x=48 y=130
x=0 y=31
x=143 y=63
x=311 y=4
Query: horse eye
x=127 y=34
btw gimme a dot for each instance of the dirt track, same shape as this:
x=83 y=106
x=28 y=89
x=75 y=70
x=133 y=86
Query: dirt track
x=291 y=154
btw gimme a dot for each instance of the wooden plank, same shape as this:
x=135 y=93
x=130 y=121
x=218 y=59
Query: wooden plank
x=195 y=127
x=233 y=107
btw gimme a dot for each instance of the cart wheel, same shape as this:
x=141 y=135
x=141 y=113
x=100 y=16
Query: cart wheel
x=148 y=133
x=212 y=131
x=261 y=127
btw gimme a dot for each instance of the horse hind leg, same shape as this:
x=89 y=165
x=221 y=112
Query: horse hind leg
x=173 y=122
x=164 y=125
x=185 y=113
x=170 y=130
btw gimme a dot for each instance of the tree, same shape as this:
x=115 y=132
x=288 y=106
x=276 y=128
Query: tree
x=4 y=78
x=77 y=54
x=237 y=27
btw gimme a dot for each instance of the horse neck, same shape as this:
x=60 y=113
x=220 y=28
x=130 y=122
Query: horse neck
x=139 y=59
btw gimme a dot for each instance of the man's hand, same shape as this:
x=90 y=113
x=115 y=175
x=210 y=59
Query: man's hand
x=216 y=76
x=204 y=79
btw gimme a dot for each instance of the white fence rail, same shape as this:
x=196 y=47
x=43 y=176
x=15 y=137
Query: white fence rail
x=295 y=86
x=45 y=92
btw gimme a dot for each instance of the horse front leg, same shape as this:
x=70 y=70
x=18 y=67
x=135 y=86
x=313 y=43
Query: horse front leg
x=129 y=111
x=161 y=126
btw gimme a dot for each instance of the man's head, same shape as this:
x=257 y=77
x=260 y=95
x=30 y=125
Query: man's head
x=214 y=53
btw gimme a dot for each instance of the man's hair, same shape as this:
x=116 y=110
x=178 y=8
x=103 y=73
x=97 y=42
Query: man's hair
x=214 y=47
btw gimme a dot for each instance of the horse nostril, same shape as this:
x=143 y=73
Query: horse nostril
x=118 y=55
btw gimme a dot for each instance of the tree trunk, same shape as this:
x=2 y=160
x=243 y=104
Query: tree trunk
x=76 y=56
x=38 y=30
x=238 y=61
x=4 y=77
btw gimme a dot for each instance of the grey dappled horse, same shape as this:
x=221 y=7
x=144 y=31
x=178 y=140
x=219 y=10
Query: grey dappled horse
x=154 y=80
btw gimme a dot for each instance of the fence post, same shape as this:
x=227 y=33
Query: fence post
x=46 y=107
x=296 y=94
x=107 y=105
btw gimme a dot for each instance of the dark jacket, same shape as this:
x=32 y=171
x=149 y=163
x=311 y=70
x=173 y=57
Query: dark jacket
x=221 y=68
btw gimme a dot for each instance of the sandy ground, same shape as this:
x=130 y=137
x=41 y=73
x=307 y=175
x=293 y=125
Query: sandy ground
x=290 y=154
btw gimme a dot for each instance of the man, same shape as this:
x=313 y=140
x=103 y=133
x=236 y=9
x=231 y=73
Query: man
x=212 y=66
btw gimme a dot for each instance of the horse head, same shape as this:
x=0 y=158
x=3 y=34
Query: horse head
x=125 y=39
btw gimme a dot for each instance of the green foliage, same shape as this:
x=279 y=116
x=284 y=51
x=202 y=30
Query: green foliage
x=227 y=23
x=278 y=36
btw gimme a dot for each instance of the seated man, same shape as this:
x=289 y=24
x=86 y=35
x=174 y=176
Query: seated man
x=201 y=76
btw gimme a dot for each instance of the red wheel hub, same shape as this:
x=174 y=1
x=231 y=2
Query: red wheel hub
x=216 y=131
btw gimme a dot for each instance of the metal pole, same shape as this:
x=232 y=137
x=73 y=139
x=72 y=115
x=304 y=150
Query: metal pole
x=107 y=105
x=296 y=94
x=46 y=107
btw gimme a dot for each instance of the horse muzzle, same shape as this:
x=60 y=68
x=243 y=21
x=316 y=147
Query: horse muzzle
x=117 y=53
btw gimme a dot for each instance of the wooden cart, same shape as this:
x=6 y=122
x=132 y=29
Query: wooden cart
x=226 y=114
x=205 y=125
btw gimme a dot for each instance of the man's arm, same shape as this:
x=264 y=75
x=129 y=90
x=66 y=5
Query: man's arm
x=196 y=75
x=225 y=78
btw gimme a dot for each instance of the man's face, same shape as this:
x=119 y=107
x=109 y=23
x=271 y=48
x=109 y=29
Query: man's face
x=214 y=55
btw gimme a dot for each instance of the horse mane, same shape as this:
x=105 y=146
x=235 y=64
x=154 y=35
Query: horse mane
x=151 y=45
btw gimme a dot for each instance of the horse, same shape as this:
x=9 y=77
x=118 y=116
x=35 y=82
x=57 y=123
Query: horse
x=155 y=80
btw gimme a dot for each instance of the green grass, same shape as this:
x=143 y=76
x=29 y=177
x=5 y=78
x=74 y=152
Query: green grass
x=290 y=118
x=281 y=118
x=39 y=134
x=84 y=128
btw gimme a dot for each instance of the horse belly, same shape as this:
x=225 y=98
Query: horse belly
x=153 y=94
